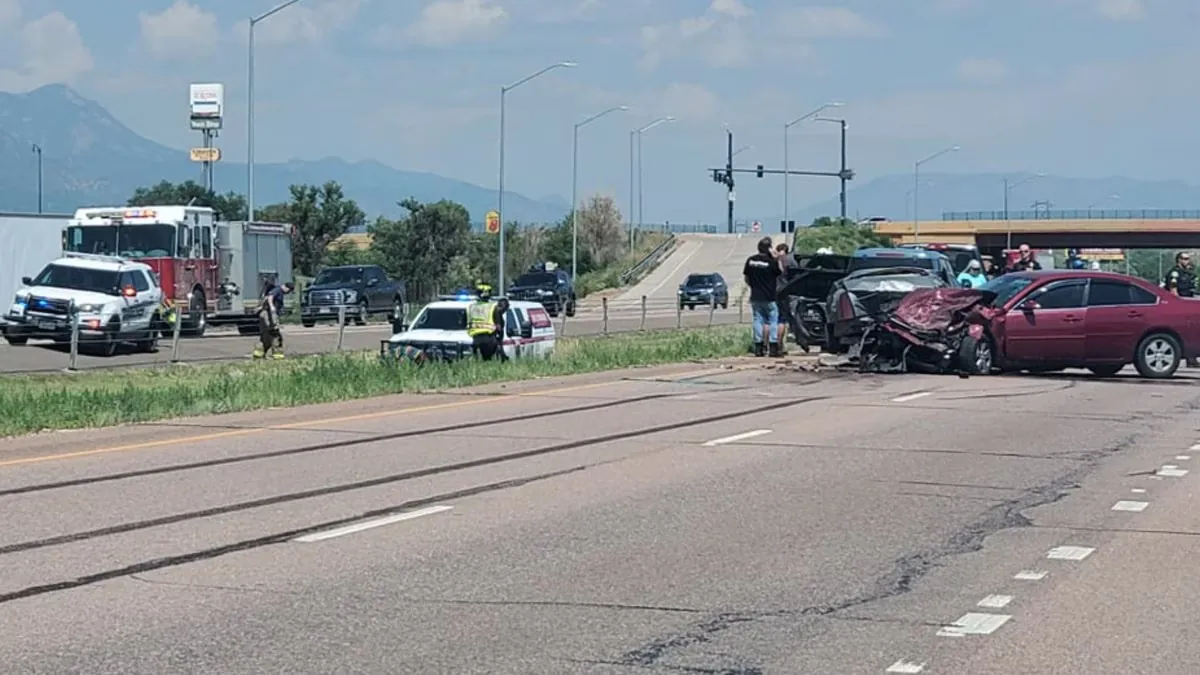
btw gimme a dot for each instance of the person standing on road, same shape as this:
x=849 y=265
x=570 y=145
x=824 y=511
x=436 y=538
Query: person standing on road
x=762 y=272
x=973 y=276
x=269 y=312
x=1181 y=282
x=1025 y=263
x=787 y=265
x=485 y=325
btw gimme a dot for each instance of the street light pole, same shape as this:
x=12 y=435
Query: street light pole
x=575 y=185
x=500 y=191
x=834 y=104
x=917 y=189
x=637 y=135
x=37 y=150
x=1008 y=188
x=254 y=21
x=842 y=172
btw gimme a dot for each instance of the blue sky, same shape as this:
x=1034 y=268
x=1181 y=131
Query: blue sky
x=1070 y=87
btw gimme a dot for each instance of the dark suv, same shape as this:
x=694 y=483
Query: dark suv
x=705 y=290
x=359 y=290
x=552 y=288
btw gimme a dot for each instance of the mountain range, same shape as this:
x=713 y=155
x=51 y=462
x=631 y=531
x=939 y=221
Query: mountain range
x=92 y=159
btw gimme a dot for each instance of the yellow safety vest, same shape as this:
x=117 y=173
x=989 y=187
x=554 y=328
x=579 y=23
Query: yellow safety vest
x=479 y=318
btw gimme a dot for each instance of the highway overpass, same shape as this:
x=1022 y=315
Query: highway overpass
x=1149 y=228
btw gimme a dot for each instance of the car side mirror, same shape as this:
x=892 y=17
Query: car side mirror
x=28 y=281
x=372 y=282
x=1030 y=305
x=526 y=329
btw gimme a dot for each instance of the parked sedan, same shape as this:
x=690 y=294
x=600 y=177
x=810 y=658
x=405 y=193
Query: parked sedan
x=1056 y=319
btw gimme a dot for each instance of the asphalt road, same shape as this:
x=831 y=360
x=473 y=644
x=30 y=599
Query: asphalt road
x=728 y=520
x=44 y=356
x=695 y=254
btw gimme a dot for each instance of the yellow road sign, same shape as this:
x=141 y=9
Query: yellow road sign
x=206 y=154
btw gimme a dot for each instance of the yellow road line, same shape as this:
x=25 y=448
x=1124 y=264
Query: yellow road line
x=199 y=438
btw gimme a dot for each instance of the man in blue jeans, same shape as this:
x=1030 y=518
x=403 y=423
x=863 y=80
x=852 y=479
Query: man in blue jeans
x=762 y=272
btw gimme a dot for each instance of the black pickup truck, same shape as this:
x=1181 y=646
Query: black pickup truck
x=551 y=287
x=362 y=290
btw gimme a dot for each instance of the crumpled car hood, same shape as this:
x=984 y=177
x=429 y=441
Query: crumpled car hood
x=937 y=309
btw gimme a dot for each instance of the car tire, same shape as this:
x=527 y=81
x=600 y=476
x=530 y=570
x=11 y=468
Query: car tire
x=16 y=340
x=198 y=310
x=149 y=344
x=108 y=344
x=976 y=357
x=307 y=324
x=247 y=329
x=360 y=313
x=570 y=310
x=691 y=308
x=1106 y=370
x=725 y=305
x=1158 y=356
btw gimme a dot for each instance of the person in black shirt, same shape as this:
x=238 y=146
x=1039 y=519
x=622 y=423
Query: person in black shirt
x=1026 y=263
x=762 y=270
x=1181 y=282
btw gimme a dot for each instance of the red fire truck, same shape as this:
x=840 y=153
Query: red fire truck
x=214 y=272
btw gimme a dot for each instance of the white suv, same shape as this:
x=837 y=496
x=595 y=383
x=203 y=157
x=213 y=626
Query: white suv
x=116 y=300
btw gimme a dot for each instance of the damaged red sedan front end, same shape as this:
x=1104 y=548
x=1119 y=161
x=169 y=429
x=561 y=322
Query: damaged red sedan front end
x=932 y=330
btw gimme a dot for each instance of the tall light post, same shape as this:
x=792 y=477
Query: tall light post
x=843 y=173
x=786 y=128
x=575 y=184
x=37 y=150
x=254 y=21
x=637 y=134
x=1008 y=188
x=917 y=188
x=500 y=193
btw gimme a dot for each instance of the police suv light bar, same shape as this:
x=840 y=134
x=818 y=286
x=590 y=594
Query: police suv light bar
x=96 y=257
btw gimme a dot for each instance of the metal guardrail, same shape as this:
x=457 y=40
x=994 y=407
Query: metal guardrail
x=84 y=350
x=647 y=263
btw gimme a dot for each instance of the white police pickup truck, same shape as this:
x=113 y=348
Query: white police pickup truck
x=116 y=300
x=439 y=333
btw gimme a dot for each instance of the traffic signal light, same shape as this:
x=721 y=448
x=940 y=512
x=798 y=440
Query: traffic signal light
x=787 y=226
x=760 y=170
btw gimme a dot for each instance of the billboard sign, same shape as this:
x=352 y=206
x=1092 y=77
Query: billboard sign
x=207 y=104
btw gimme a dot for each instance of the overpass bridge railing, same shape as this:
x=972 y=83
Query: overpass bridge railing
x=1077 y=214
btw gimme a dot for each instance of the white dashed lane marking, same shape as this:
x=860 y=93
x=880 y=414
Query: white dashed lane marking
x=1030 y=575
x=1171 y=471
x=974 y=623
x=371 y=524
x=1069 y=552
x=1183 y=458
x=995 y=601
x=1138 y=491
x=737 y=437
x=1135 y=507
x=912 y=397
x=903 y=666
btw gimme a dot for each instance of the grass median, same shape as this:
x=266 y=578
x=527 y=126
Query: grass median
x=30 y=403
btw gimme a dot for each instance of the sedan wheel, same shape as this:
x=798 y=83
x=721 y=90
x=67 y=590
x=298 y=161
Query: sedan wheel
x=1158 y=356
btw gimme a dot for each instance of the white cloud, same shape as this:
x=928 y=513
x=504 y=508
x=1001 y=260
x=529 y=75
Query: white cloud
x=10 y=12
x=180 y=31
x=811 y=23
x=982 y=71
x=53 y=52
x=1122 y=10
x=303 y=22
x=445 y=22
x=717 y=34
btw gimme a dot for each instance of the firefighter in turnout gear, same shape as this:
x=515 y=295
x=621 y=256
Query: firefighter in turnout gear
x=167 y=316
x=1181 y=282
x=269 y=311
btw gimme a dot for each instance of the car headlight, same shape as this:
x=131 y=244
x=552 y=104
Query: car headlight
x=90 y=309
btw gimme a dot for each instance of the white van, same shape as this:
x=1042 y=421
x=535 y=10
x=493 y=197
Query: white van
x=440 y=331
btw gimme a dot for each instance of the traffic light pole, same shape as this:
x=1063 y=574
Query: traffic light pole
x=729 y=182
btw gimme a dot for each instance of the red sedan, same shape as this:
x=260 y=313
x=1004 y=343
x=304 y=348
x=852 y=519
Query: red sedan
x=1055 y=319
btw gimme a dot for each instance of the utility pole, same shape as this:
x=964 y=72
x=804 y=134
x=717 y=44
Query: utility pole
x=729 y=179
x=37 y=150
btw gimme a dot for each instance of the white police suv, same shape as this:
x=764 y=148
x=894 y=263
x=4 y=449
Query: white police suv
x=115 y=300
x=439 y=333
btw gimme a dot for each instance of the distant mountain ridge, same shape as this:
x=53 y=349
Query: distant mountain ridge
x=92 y=159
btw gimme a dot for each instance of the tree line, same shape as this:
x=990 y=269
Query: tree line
x=432 y=248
